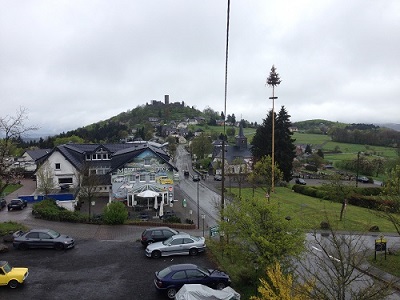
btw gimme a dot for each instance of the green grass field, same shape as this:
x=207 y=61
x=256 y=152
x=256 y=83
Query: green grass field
x=307 y=213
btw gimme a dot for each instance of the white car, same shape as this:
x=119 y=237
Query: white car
x=178 y=244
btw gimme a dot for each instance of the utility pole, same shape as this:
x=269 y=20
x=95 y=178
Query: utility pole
x=273 y=80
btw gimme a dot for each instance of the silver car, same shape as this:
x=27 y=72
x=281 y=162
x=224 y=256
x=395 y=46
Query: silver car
x=42 y=238
x=178 y=244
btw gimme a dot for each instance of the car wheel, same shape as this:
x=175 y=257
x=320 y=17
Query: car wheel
x=220 y=286
x=171 y=293
x=13 y=284
x=59 y=246
x=193 y=252
x=156 y=254
x=23 y=246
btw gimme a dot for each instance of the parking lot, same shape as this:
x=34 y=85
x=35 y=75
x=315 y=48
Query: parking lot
x=94 y=269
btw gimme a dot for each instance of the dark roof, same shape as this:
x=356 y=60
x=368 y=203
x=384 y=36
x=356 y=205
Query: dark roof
x=120 y=153
x=123 y=156
x=37 y=154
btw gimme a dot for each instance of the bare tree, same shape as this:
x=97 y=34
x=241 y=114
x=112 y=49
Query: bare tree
x=338 y=192
x=45 y=177
x=337 y=265
x=88 y=186
x=11 y=128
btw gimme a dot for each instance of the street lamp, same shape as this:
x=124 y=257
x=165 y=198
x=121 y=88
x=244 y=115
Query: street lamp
x=203 y=216
x=198 y=206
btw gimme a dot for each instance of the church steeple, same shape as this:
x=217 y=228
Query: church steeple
x=241 y=140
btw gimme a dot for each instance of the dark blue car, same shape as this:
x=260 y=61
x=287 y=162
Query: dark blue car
x=172 y=278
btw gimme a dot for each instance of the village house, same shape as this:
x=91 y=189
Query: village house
x=139 y=174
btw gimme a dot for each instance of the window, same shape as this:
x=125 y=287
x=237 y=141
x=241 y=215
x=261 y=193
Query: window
x=58 y=166
x=179 y=275
x=142 y=178
x=33 y=235
x=65 y=180
x=88 y=157
x=177 y=242
x=194 y=274
x=43 y=235
x=131 y=178
x=152 y=177
x=146 y=161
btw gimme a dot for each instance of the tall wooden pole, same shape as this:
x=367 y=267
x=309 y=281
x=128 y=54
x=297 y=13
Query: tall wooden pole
x=273 y=141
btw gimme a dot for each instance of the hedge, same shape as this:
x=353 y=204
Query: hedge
x=48 y=209
x=367 y=197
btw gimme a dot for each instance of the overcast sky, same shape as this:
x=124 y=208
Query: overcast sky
x=73 y=63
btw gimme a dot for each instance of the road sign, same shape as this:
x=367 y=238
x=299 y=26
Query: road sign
x=214 y=230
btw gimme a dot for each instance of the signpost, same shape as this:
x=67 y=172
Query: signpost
x=214 y=230
x=380 y=245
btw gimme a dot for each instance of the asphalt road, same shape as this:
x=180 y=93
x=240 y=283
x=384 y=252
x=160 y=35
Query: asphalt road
x=94 y=269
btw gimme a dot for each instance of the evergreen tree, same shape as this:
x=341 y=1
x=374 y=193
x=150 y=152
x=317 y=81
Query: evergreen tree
x=284 y=143
x=261 y=144
x=308 y=149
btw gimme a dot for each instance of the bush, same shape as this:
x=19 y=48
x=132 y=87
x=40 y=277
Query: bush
x=115 y=213
x=325 y=225
x=7 y=227
x=49 y=210
x=374 y=229
x=173 y=219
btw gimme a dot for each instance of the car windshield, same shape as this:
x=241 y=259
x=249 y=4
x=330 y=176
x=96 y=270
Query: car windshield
x=7 y=268
x=54 y=234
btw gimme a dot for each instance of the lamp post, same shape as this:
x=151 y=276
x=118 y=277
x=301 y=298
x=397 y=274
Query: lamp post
x=198 y=206
x=358 y=165
x=203 y=216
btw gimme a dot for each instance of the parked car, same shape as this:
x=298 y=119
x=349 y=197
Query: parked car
x=12 y=276
x=217 y=177
x=156 y=234
x=165 y=180
x=185 y=173
x=172 y=278
x=17 y=204
x=143 y=216
x=363 y=179
x=300 y=181
x=168 y=214
x=3 y=203
x=196 y=177
x=178 y=244
x=42 y=238
x=200 y=291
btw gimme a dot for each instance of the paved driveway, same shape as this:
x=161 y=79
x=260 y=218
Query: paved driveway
x=92 y=270
x=108 y=262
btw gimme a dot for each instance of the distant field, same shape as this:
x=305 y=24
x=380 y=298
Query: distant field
x=348 y=151
x=311 y=139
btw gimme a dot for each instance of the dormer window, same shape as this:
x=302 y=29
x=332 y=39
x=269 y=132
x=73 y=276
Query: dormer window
x=99 y=155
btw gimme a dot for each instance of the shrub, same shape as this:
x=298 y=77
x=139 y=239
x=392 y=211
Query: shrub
x=325 y=225
x=374 y=229
x=49 y=210
x=115 y=213
x=173 y=219
x=7 y=227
